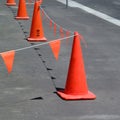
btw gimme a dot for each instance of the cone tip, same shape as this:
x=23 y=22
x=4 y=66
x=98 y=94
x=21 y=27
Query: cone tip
x=76 y=33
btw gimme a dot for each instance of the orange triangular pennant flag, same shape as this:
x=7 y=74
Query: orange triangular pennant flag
x=81 y=37
x=8 y=58
x=42 y=13
x=55 y=29
x=55 y=46
x=50 y=23
x=48 y=20
x=67 y=35
x=61 y=32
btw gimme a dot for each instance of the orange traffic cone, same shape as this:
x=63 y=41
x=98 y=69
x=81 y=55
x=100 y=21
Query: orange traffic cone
x=10 y=2
x=37 y=32
x=22 y=12
x=76 y=84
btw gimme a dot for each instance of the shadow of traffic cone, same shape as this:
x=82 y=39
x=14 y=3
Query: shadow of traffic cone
x=22 y=12
x=10 y=2
x=76 y=85
x=36 y=32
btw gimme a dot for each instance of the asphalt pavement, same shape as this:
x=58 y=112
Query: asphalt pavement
x=109 y=7
x=29 y=91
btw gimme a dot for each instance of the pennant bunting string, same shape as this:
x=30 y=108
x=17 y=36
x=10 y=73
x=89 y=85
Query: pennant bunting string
x=8 y=56
x=42 y=44
x=54 y=21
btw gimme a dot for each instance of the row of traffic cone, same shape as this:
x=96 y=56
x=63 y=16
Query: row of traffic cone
x=76 y=84
x=12 y=2
x=36 y=32
x=22 y=12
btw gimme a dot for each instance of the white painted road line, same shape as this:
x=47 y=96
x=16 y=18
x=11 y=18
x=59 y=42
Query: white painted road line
x=92 y=117
x=92 y=11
